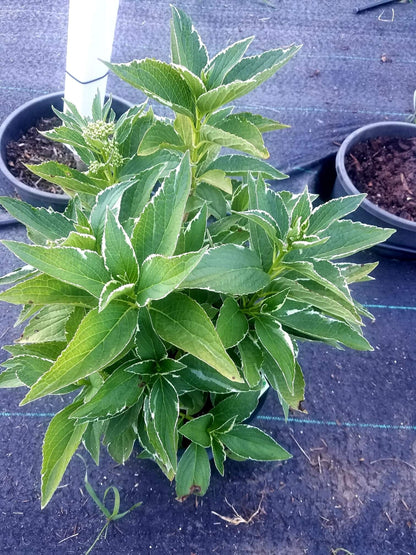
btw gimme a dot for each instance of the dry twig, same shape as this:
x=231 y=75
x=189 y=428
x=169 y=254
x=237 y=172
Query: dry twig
x=303 y=451
x=237 y=518
x=394 y=460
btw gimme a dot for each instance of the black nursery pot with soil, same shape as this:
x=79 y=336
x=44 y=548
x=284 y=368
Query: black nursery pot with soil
x=18 y=123
x=380 y=159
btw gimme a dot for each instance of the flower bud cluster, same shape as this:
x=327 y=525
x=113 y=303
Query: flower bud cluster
x=99 y=130
x=112 y=158
x=111 y=153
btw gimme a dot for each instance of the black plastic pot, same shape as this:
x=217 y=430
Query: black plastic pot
x=20 y=121
x=401 y=244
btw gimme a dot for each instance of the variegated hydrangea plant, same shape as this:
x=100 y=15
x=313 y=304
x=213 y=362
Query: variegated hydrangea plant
x=177 y=283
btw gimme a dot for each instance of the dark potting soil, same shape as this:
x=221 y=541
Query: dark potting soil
x=385 y=169
x=34 y=148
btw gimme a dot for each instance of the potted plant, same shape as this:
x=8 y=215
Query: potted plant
x=26 y=117
x=379 y=160
x=183 y=285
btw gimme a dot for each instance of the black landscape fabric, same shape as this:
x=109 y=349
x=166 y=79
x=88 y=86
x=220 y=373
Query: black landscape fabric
x=350 y=486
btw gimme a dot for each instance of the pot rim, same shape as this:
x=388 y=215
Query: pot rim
x=363 y=133
x=54 y=97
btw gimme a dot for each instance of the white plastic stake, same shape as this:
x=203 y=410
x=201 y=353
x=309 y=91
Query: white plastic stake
x=91 y=29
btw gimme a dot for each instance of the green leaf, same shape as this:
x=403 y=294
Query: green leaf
x=29 y=368
x=217 y=178
x=100 y=338
x=194 y=473
x=160 y=275
x=43 y=289
x=160 y=81
x=223 y=94
x=245 y=76
x=192 y=238
x=232 y=325
x=239 y=164
x=251 y=443
x=143 y=368
x=169 y=366
x=228 y=269
x=218 y=116
x=333 y=283
x=303 y=206
x=71 y=117
x=75 y=212
x=278 y=344
x=61 y=441
x=126 y=121
x=118 y=253
x=69 y=179
x=354 y=273
x=300 y=319
x=261 y=197
x=148 y=344
x=109 y=199
x=163 y=274
x=266 y=209
x=71 y=137
x=224 y=61
x=276 y=379
x=190 y=400
x=195 y=83
x=92 y=439
x=128 y=139
x=237 y=134
x=263 y=219
x=121 y=433
x=218 y=453
x=181 y=321
x=236 y=407
x=327 y=213
x=113 y=290
x=187 y=48
x=51 y=225
x=119 y=392
x=160 y=135
x=138 y=164
x=212 y=196
x=185 y=129
x=161 y=416
x=122 y=445
x=251 y=361
x=200 y=375
x=158 y=227
x=84 y=269
x=259 y=68
x=306 y=291
x=346 y=238
x=136 y=197
x=8 y=379
x=263 y=124
x=50 y=349
x=47 y=325
x=74 y=321
x=83 y=241
x=143 y=431
x=17 y=275
x=196 y=430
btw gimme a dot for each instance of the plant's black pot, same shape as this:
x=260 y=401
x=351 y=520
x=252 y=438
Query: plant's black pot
x=401 y=244
x=18 y=123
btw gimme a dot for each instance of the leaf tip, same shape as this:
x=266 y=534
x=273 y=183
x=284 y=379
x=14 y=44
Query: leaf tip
x=25 y=400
